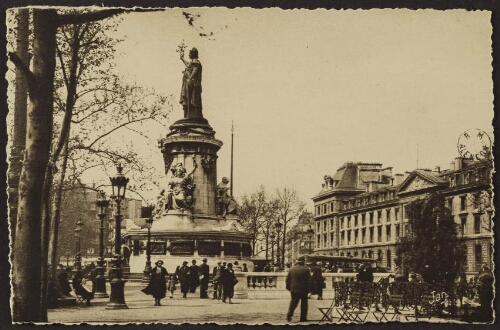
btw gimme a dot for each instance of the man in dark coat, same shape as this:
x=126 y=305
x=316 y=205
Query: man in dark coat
x=297 y=282
x=204 y=274
x=183 y=276
x=216 y=280
x=317 y=279
x=194 y=277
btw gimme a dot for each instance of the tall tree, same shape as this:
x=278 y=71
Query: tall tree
x=26 y=274
x=252 y=210
x=431 y=240
x=20 y=109
x=290 y=207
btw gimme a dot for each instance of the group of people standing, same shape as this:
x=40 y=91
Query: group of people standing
x=224 y=281
x=189 y=279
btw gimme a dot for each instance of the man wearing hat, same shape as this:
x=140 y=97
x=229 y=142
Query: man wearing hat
x=216 y=280
x=204 y=273
x=194 y=277
x=297 y=282
x=183 y=276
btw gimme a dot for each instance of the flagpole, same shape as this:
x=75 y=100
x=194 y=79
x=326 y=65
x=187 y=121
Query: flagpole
x=232 y=143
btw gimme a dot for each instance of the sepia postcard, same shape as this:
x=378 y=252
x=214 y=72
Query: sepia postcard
x=250 y=165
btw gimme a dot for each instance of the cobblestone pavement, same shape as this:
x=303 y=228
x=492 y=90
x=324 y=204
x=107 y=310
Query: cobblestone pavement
x=191 y=310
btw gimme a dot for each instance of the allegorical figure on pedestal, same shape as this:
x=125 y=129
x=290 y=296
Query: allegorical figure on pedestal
x=226 y=203
x=181 y=187
x=191 y=85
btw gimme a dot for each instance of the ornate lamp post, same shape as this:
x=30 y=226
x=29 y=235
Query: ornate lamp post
x=78 y=255
x=117 y=298
x=278 y=254
x=100 y=286
x=272 y=246
x=148 y=214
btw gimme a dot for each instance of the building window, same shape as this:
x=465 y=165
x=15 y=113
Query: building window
x=397 y=231
x=341 y=223
x=463 y=225
x=371 y=218
x=388 y=233
x=379 y=234
x=477 y=224
x=388 y=215
x=348 y=238
x=370 y=230
x=389 y=259
x=396 y=214
x=331 y=207
x=355 y=220
x=331 y=239
x=363 y=219
x=363 y=234
x=331 y=224
x=450 y=205
x=465 y=178
x=478 y=254
x=463 y=203
x=379 y=217
x=476 y=200
x=324 y=208
x=356 y=237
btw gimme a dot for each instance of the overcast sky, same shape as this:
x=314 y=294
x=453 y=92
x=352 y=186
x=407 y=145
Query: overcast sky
x=309 y=90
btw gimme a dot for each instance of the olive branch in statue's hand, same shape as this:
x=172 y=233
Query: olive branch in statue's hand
x=180 y=48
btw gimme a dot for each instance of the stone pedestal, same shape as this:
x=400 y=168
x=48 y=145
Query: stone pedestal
x=186 y=139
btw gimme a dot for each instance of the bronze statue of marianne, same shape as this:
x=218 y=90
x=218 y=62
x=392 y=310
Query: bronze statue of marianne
x=191 y=86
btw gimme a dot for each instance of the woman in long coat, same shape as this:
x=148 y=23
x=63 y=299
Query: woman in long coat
x=182 y=274
x=157 y=286
x=228 y=280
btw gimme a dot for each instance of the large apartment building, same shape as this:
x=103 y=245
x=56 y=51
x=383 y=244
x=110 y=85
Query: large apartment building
x=360 y=210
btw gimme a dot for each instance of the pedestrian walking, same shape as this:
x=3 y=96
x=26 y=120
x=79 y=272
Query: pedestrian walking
x=216 y=280
x=228 y=280
x=297 y=282
x=204 y=275
x=172 y=279
x=182 y=274
x=318 y=280
x=157 y=286
x=194 y=277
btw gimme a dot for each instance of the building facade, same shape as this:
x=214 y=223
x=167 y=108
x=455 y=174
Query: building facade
x=360 y=211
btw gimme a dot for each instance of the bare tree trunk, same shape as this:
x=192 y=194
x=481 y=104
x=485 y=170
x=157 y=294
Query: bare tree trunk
x=20 y=109
x=56 y=221
x=27 y=267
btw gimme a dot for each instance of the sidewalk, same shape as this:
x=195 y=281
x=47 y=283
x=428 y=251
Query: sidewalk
x=190 y=310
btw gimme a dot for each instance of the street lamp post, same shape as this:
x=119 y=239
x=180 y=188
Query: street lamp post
x=78 y=256
x=100 y=280
x=148 y=214
x=117 y=298
x=278 y=254
x=272 y=246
